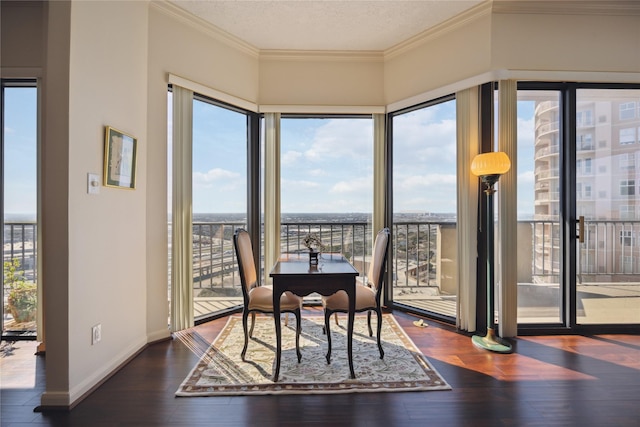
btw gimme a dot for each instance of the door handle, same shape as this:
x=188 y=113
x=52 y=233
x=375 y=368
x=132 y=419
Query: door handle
x=581 y=229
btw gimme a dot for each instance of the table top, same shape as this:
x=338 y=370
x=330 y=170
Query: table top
x=298 y=264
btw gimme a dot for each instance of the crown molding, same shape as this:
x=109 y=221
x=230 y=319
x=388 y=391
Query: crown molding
x=322 y=55
x=564 y=7
x=458 y=21
x=519 y=75
x=323 y=109
x=199 y=24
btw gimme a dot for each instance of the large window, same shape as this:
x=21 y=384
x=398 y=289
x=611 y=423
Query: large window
x=326 y=184
x=219 y=203
x=19 y=206
x=424 y=208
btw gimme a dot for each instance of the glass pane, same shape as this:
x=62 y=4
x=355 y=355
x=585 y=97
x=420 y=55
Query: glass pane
x=219 y=204
x=20 y=198
x=424 y=209
x=539 y=292
x=327 y=185
x=608 y=196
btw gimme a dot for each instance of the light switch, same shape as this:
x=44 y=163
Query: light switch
x=93 y=183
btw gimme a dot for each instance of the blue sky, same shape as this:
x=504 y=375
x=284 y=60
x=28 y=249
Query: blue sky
x=326 y=164
x=20 y=151
x=424 y=160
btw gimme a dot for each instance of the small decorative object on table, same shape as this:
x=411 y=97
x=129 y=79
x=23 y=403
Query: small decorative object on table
x=313 y=242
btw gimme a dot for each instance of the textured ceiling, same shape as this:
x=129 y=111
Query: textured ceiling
x=349 y=25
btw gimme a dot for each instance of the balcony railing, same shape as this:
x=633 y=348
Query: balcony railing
x=20 y=242
x=424 y=253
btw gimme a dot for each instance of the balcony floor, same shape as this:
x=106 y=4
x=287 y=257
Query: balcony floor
x=442 y=305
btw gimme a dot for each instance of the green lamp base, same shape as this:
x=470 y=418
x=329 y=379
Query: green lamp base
x=491 y=342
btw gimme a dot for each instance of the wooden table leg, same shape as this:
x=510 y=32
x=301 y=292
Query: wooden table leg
x=276 y=318
x=352 y=309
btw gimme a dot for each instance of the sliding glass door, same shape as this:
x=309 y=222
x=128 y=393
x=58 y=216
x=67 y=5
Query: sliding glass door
x=540 y=295
x=578 y=205
x=607 y=167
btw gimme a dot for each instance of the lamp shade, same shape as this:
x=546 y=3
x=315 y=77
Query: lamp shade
x=495 y=163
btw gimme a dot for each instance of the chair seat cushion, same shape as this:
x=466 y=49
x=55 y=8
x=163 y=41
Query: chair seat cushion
x=365 y=298
x=261 y=298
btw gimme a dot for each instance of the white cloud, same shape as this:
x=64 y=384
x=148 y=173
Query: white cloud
x=526 y=177
x=226 y=178
x=318 y=172
x=290 y=157
x=358 y=185
x=296 y=185
x=425 y=181
x=526 y=132
x=418 y=141
x=339 y=138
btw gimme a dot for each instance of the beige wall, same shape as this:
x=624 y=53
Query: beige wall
x=322 y=80
x=439 y=59
x=22 y=38
x=200 y=55
x=107 y=236
x=105 y=256
x=560 y=42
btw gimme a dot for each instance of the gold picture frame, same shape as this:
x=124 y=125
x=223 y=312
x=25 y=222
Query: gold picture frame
x=119 y=159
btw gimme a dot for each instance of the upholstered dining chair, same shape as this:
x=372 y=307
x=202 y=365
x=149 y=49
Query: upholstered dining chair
x=259 y=299
x=367 y=296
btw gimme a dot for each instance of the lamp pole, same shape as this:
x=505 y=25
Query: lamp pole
x=489 y=167
x=490 y=341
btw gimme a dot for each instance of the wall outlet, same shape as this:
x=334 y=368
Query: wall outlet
x=96 y=334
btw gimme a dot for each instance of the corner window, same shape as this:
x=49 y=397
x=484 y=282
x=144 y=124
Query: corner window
x=425 y=208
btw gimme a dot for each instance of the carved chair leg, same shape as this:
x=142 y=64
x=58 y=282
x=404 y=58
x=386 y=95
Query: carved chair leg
x=246 y=336
x=298 y=329
x=327 y=316
x=379 y=312
x=253 y=322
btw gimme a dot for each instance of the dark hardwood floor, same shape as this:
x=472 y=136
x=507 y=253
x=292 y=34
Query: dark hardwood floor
x=547 y=381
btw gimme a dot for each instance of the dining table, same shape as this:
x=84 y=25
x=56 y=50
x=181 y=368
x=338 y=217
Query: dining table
x=293 y=272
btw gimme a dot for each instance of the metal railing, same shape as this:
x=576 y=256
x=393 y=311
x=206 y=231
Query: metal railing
x=611 y=249
x=20 y=242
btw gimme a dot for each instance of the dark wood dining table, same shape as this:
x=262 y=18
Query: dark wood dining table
x=293 y=272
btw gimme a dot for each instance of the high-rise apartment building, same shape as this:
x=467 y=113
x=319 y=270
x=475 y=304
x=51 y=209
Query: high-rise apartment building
x=607 y=190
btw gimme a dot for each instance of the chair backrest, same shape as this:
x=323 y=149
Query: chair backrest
x=246 y=263
x=378 y=260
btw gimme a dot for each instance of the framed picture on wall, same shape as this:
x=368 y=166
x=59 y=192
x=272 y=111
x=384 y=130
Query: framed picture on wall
x=119 y=159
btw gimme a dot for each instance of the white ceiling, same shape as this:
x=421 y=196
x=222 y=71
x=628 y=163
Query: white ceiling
x=343 y=25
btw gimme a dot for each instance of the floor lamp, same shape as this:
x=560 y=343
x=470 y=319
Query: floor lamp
x=489 y=167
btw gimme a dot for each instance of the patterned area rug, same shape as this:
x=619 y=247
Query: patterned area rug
x=220 y=370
